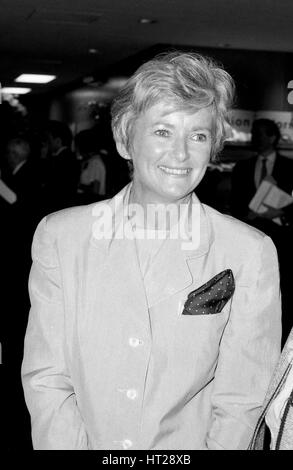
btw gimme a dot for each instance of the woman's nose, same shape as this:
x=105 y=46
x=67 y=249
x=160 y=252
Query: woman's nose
x=180 y=150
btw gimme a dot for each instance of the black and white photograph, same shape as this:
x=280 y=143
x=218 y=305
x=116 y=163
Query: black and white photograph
x=146 y=237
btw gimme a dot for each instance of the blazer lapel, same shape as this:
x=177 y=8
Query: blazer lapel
x=171 y=271
x=116 y=258
x=115 y=261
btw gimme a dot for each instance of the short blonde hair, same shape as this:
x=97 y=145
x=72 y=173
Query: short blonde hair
x=188 y=80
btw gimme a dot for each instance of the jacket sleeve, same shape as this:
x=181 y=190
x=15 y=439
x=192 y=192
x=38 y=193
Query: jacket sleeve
x=249 y=351
x=49 y=392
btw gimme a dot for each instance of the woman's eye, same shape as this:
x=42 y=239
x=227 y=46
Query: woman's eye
x=199 y=137
x=162 y=132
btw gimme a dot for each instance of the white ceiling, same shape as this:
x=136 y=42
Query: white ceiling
x=54 y=36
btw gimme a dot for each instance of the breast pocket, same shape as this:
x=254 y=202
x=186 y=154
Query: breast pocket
x=202 y=325
x=211 y=297
x=197 y=337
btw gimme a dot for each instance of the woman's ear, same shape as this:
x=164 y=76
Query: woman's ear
x=121 y=149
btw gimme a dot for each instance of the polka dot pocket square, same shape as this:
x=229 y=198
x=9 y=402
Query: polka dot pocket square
x=211 y=297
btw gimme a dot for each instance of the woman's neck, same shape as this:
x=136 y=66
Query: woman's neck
x=157 y=215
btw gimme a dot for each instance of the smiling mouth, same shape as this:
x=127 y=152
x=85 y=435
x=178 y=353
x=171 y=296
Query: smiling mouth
x=175 y=171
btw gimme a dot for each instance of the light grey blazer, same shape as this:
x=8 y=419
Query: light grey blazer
x=108 y=367
x=284 y=439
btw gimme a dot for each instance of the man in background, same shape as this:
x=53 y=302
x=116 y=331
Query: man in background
x=19 y=173
x=92 y=183
x=246 y=179
x=21 y=177
x=248 y=174
x=62 y=170
x=19 y=218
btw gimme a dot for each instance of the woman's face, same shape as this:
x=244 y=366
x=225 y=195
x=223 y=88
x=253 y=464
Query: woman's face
x=170 y=152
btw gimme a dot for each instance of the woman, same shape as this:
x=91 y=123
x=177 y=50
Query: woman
x=92 y=182
x=155 y=320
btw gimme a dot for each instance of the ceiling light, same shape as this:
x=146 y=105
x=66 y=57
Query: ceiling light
x=63 y=16
x=147 y=21
x=34 y=78
x=116 y=83
x=224 y=44
x=15 y=90
x=88 y=79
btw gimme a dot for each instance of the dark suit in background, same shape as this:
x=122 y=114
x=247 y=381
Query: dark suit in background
x=63 y=170
x=18 y=223
x=243 y=184
x=243 y=190
x=62 y=177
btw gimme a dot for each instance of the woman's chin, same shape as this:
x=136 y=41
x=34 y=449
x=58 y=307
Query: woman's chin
x=175 y=195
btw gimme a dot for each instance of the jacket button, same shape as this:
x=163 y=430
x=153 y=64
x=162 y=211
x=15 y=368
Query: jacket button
x=127 y=443
x=131 y=394
x=134 y=342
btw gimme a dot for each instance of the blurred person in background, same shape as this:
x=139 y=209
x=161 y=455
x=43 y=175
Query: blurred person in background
x=20 y=175
x=248 y=175
x=18 y=222
x=92 y=183
x=19 y=172
x=62 y=170
x=117 y=168
x=246 y=179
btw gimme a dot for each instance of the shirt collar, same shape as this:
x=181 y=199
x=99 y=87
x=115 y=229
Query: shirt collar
x=18 y=167
x=55 y=154
x=201 y=234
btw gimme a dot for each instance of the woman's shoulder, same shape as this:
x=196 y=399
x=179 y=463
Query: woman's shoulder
x=244 y=246
x=230 y=226
x=73 y=221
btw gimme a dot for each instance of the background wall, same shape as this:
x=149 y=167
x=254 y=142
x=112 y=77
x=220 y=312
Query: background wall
x=261 y=82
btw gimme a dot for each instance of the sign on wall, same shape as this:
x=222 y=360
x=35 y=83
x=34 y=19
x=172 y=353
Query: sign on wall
x=242 y=121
